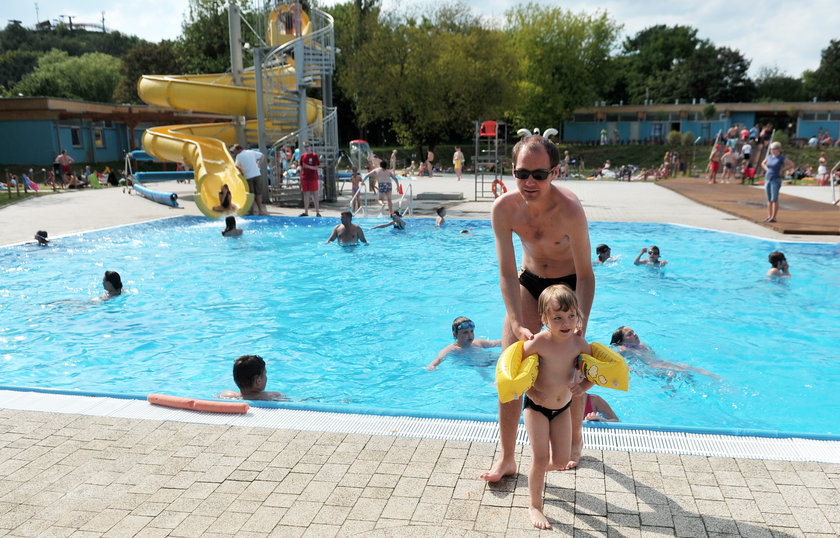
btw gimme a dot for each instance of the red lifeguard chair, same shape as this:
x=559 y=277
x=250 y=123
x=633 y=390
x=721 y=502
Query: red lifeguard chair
x=490 y=152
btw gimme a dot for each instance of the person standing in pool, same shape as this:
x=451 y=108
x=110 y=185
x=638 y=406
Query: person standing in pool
x=347 y=233
x=653 y=259
x=779 y=263
x=603 y=252
x=463 y=330
x=552 y=228
x=250 y=376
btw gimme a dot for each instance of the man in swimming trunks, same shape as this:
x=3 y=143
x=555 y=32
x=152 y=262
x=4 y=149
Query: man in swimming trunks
x=551 y=225
x=64 y=161
x=383 y=178
x=347 y=233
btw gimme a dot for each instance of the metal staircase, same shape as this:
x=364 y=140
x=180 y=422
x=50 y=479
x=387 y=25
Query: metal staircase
x=286 y=115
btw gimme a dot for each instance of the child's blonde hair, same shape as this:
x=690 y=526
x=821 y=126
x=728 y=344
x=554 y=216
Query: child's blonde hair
x=565 y=299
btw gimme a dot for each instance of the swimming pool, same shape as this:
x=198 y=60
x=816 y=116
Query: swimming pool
x=353 y=328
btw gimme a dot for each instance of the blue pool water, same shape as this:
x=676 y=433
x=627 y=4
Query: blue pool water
x=354 y=327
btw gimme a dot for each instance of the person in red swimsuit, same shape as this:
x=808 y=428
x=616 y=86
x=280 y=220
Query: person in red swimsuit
x=309 y=165
x=596 y=408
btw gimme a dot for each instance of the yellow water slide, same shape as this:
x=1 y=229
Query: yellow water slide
x=204 y=147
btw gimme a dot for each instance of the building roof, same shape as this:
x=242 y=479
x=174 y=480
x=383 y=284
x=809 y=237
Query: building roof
x=54 y=108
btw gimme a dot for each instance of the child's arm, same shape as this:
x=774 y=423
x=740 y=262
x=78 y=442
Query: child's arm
x=638 y=261
x=383 y=225
x=583 y=385
x=440 y=356
x=487 y=343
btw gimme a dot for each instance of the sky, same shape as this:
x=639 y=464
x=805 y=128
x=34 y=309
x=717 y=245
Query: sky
x=798 y=31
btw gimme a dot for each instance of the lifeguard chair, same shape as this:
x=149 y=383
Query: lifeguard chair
x=488 y=161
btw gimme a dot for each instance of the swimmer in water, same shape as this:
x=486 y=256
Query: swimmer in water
x=347 y=233
x=250 y=376
x=628 y=344
x=463 y=330
x=396 y=221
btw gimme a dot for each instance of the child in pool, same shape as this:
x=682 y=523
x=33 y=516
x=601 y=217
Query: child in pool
x=230 y=227
x=441 y=216
x=463 y=330
x=396 y=221
x=779 y=263
x=547 y=416
x=653 y=259
x=250 y=376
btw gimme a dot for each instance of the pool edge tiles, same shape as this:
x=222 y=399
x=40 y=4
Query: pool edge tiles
x=625 y=439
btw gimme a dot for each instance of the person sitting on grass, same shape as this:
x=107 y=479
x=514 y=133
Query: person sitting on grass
x=463 y=330
x=250 y=376
x=230 y=227
x=396 y=221
x=779 y=266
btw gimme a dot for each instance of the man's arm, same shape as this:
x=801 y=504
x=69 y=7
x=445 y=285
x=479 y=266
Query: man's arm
x=361 y=235
x=333 y=235
x=585 y=286
x=508 y=277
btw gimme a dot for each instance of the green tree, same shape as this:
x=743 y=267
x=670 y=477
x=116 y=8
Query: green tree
x=429 y=77
x=824 y=83
x=774 y=85
x=91 y=77
x=145 y=59
x=14 y=64
x=204 y=44
x=563 y=61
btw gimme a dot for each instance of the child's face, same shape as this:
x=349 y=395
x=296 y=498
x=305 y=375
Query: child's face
x=561 y=323
x=465 y=337
x=653 y=255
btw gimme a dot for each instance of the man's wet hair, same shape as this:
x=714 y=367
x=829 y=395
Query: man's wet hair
x=601 y=248
x=245 y=369
x=348 y=213
x=534 y=141
x=114 y=279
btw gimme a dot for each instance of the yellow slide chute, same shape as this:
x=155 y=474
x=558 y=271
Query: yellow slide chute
x=204 y=147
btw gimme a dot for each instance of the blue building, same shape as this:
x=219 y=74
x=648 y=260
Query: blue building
x=35 y=129
x=652 y=123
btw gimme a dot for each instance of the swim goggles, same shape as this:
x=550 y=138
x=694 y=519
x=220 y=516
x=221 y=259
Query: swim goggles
x=464 y=325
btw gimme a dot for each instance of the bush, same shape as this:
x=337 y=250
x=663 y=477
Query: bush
x=674 y=138
x=688 y=139
x=781 y=137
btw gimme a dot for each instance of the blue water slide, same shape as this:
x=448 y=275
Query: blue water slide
x=149 y=177
x=165 y=198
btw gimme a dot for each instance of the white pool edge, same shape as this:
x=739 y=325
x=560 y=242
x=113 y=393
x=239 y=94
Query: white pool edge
x=625 y=440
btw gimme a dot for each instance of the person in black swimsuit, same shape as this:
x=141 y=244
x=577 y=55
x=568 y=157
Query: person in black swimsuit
x=550 y=414
x=535 y=284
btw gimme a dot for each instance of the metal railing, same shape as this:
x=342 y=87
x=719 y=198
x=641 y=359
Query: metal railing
x=362 y=195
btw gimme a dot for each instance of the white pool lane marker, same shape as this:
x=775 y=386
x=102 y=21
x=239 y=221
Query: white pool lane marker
x=625 y=440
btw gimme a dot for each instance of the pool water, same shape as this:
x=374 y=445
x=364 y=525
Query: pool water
x=353 y=328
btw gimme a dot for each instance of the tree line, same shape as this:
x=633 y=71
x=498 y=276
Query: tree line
x=423 y=77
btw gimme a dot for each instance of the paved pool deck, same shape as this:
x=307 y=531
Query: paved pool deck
x=73 y=474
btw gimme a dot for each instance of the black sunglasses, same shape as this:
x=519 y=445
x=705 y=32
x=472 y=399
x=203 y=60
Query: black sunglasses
x=539 y=174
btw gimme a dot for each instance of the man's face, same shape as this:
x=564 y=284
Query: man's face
x=346 y=219
x=534 y=159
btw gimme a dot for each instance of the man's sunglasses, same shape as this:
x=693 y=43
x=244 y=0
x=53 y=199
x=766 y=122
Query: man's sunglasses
x=539 y=174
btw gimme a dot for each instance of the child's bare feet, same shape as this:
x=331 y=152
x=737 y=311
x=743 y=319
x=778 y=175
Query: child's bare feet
x=538 y=519
x=500 y=469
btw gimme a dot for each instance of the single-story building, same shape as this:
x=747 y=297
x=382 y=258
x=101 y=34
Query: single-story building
x=652 y=123
x=35 y=129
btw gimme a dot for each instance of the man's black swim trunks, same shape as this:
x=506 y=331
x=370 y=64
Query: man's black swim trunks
x=535 y=285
